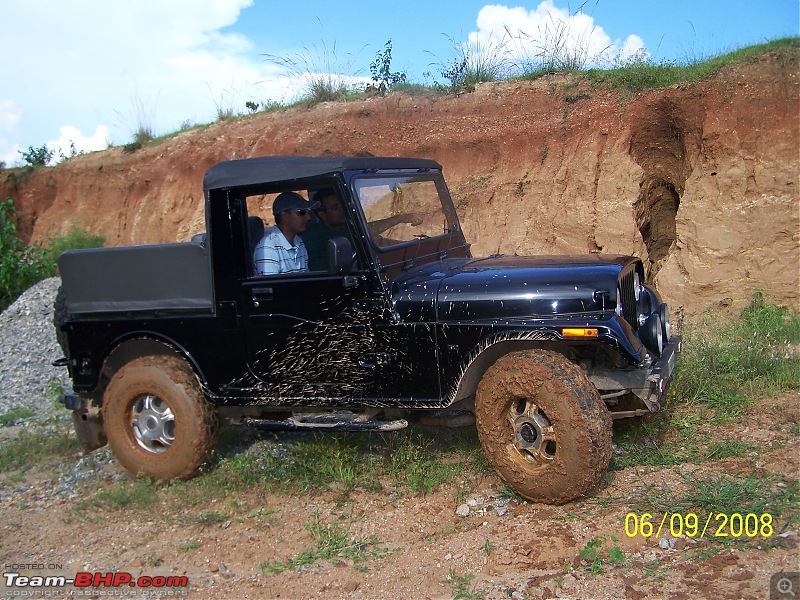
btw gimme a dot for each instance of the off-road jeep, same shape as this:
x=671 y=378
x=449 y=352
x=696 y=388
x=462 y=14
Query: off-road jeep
x=163 y=342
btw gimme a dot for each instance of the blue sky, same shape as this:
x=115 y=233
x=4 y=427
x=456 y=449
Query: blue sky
x=92 y=71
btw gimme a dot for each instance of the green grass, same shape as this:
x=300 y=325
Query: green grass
x=193 y=545
x=21 y=266
x=642 y=76
x=331 y=540
x=414 y=461
x=28 y=448
x=322 y=74
x=463 y=588
x=138 y=493
x=598 y=555
x=649 y=445
x=759 y=493
x=725 y=363
x=14 y=415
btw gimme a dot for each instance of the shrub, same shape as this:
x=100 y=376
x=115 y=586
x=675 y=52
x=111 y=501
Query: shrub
x=76 y=238
x=381 y=69
x=38 y=157
x=20 y=266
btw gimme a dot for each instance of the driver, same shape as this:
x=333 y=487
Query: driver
x=282 y=250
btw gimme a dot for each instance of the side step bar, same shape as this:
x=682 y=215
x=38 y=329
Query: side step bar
x=328 y=422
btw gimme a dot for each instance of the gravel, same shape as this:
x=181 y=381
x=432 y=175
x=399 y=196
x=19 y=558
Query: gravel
x=30 y=385
x=28 y=346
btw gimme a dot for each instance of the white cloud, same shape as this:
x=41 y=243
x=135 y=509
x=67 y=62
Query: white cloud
x=111 y=67
x=548 y=36
x=71 y=137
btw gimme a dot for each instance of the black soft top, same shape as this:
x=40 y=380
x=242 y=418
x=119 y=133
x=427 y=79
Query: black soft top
x=269 y=169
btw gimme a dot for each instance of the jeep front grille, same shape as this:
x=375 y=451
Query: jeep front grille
x=627 y=294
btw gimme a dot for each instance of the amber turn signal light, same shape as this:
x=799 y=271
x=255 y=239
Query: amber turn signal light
x=579 y=332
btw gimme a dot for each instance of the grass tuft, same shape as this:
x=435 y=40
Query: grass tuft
x=463 y=588
x=727 y=362
x=331 y=540
x=31 y=448
x=320 y=73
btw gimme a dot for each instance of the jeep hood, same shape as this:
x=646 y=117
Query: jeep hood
x=508 y=287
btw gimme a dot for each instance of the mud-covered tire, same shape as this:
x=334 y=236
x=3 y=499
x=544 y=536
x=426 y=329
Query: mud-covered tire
x=543 y=426
x=60 y=311
x=157 y=421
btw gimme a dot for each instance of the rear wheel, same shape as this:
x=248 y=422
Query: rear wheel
x=157 y=420
x=543 y=426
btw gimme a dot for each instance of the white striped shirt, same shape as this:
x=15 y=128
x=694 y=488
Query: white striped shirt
x=274 y=254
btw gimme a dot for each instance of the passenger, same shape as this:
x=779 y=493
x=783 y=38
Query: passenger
x=332 y=223
x=282 y=250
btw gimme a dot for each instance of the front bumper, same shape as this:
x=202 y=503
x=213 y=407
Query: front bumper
x=650 y=381
x=662 y=372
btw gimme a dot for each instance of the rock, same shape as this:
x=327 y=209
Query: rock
x=463 y=510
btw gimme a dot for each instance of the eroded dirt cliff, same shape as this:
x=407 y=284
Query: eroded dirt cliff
x=701 y=182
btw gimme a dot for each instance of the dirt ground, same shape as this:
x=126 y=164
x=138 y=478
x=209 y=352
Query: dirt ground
x=421 y=547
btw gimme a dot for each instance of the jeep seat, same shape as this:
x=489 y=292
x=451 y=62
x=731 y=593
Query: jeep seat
x=255 y=231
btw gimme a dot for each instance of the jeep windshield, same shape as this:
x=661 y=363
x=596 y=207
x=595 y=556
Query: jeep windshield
x=402 y=209
x=410 y=218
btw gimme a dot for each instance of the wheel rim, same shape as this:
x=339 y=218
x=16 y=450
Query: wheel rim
x=534 y=435
x=153 y=424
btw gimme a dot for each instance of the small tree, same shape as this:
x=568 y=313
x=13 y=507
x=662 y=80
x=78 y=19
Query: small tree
x=381 y=69
x=38 y=157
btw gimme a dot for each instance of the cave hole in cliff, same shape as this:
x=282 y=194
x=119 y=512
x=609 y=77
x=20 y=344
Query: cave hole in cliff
x=657 y=210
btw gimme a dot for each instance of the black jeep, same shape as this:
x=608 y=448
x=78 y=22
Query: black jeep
x=164 y=341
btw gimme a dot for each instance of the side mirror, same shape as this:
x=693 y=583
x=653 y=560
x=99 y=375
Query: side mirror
x=340 y=256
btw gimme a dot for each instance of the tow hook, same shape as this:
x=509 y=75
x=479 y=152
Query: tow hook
x=88 y=422
x=70 y=401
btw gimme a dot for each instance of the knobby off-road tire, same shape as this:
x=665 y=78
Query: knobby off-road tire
x=157 y=420
x=543 y=426
x=59 y=316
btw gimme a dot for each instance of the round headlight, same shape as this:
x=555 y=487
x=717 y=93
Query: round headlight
x=652 y=334
x=666 y=328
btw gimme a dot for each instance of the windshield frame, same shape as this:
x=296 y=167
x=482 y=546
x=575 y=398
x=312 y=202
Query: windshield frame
x=447 y=211
x=392 y=260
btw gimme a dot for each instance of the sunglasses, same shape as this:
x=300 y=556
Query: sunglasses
x=300 y=212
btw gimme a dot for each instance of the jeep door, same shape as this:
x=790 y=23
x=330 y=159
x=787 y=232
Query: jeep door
x=310 y=333
x=313 y=333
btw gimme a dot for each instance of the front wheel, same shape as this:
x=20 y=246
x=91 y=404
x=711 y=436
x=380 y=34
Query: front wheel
x=543 y=426
x=157 y=420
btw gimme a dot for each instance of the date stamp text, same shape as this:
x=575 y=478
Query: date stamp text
x=692 y=525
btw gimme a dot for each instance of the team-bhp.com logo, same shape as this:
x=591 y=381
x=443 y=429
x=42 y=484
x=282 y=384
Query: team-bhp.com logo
x=94 y=580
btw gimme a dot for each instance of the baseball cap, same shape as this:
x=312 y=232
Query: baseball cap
x=289 y=200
